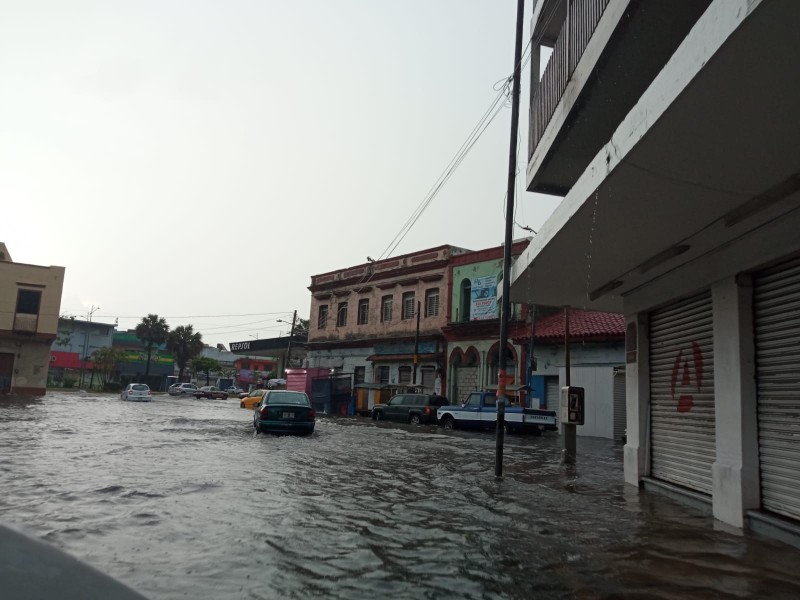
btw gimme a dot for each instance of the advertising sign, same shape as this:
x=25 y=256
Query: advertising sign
x=484 y=298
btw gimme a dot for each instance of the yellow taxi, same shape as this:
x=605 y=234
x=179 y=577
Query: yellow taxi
x=252 y=399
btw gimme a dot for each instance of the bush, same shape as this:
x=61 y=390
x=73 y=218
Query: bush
x=111 y=386
x=70 y=382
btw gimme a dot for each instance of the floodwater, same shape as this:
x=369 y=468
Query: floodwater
x=179 y=498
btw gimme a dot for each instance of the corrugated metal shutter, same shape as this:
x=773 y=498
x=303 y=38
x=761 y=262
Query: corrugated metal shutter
x=620 y=416
x=428 y=378
x=682 y=429
x=777 y=331
x=552 y=394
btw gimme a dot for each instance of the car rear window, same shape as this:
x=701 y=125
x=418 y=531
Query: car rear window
x=298 y=398
x=140 y=387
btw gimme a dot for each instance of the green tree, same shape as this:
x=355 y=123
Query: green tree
x=153 y=331
x=204 y=364
x=106 y=363
x=301 y=326
x=185 y=344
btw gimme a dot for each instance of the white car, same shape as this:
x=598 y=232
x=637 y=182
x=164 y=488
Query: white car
x=136 y=392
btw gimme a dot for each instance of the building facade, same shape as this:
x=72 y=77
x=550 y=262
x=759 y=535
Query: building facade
x=30 y=301
x=681 y=209
x=71 y=352
x=382 y=321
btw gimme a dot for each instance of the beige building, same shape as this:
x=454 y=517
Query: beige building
x=364 y=319
x=30 y=300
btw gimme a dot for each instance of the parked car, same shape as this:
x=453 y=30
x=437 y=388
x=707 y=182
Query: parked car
x=136 y=392
x=234 y=390
x=210 y=391
x=410 y=408
x=283 y=411
x=252 y=399
x=178 y=389
x=276 y=383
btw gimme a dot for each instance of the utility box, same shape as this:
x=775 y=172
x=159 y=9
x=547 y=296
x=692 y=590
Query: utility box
x=572 y=405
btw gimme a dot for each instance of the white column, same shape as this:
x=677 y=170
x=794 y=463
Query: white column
x=637 y=397
x=735 y=471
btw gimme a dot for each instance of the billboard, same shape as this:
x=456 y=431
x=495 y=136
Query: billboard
x=484 y=298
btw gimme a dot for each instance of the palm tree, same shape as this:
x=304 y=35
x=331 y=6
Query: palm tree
x=185 y=344
x=153 y=331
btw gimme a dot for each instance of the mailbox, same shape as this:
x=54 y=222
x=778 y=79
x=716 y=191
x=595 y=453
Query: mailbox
x=572 y=405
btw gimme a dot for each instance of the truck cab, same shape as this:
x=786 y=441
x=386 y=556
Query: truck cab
x=479 y=411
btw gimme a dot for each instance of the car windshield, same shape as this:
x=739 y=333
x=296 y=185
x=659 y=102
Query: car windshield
x=139 y=387
x=298 y=398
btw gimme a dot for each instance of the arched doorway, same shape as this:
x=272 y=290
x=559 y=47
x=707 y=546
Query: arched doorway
x=465 y=373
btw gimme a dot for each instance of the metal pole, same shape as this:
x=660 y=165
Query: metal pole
x=532 y=360
x=416 y=348
x=570 y=431
x=506 y=303
x=92 y=310
x=289 y=348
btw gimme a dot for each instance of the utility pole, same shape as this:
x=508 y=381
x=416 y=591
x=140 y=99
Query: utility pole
x=289 y=348
x=570 y=431
x=92 y=310
x=416 y=348
x=506 y=304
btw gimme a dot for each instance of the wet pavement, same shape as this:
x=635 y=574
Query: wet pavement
x=179 y=498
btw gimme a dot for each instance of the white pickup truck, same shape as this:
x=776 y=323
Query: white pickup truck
x=480 y=412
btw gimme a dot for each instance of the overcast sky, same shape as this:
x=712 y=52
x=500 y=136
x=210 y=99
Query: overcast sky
x=202 y=160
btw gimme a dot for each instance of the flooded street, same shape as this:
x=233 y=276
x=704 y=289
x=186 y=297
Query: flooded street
x=179 y=499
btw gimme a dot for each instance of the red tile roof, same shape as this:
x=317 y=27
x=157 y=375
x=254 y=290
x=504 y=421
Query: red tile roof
x=583 y=324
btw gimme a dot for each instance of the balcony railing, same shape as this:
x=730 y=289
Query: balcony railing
x=25 y=323
x=581 y=21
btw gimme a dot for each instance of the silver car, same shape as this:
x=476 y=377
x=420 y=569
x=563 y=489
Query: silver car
x=177 y=389
x=136 y=392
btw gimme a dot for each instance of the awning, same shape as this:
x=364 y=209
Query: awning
x=402 y=357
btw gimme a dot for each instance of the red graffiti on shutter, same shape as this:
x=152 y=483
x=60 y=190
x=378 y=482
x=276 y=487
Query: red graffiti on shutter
x=681 y=371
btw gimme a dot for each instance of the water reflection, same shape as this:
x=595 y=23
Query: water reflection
x=179 y=498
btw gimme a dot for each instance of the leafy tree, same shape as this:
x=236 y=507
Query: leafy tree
x=153 y=331
x=301 y=326
x=204 y=364
x=185 y=344
x=106 y=363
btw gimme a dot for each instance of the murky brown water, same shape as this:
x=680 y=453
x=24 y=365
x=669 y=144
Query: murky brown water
x=178 y=498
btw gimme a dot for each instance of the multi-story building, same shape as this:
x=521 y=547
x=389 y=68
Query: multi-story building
x=369 y=319
x=472 y=330
x=71 y=352
x=672 y=130
x=30 y=300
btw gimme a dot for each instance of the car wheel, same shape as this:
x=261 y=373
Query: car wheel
x=414 y=419
x=448 y=423
x=378 y=415
x=507 y=428
x=225 y=397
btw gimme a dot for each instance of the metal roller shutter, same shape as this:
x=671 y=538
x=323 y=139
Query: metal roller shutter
x=552 y=394
x=620 y=415
x=776 y=305
x=682 y=428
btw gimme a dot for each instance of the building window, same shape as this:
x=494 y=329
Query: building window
x=322 y=320
x=408 y=306
x=382 y=374
x=363 y=311
x=28 y=301
x=432 y=302
x=466 y=300
x=341 y=315
x=404 y=376
x=359 y=375
x=386 y=309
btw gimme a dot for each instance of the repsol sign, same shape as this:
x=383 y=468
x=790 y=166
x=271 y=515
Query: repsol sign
x=240 y=346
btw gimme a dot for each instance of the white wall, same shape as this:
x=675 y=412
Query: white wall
x=598 y=381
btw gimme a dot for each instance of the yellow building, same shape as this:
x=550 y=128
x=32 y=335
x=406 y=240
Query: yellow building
x=30 y=300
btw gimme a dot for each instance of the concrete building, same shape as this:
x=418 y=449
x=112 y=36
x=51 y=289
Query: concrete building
x=71 y=352
x=672 y=129
x=364 y=319
x=30 y=300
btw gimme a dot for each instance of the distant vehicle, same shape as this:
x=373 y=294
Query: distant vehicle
x=251 y=399
x=210 y=391
x=283 y=411
x=480 y=412
x=234 y=390
x=177 y=389
x=276 y=383
x=410 y=408
x=136 y=392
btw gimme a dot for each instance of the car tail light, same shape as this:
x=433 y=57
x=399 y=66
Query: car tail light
x=311 y=414
x=427 y=410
